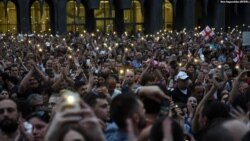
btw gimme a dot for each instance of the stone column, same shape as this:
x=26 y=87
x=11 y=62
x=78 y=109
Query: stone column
x=120 y=5
x=153 y=19
x=90 y=20
x=183 y=14
x=23 y=16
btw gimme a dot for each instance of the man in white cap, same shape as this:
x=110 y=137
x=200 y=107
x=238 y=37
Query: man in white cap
x=181 y=93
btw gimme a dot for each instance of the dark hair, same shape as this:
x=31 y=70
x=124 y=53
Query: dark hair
x=123 y=106
x=156 y=133
x=66 y=128
x=16 y=102
x=147 y=77
x=91 y=98
x=218 y=133
x=42 y=115
x=213 y=110
x=242 y=100
x=78 y=84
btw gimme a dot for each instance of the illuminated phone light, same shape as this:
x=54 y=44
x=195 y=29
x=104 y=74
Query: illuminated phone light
x=70 y=100
x=121 y=72
x=237 y=66
x=40 y=50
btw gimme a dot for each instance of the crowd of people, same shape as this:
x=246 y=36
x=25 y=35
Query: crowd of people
x=168 y=86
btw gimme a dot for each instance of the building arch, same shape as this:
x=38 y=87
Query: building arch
x=40 y=16
x=8 y=16
x=76 y=16
x=167 y=15
x=104 y=16
x=133 y=17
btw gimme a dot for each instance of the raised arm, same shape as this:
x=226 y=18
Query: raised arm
x=25 y=82
x=235 y=90
x=208 y=95
x=41 y=74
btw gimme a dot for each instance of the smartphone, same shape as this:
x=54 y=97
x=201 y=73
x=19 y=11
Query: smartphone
x=71 y=100
x=165 y=106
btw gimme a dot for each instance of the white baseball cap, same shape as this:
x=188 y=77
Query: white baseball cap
x=181 y=75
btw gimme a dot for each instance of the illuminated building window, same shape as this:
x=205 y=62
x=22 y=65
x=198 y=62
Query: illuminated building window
x=167 y=15
x=133 y=17
x=8 y=21
x=40 y=23
x=75 y=16
x=105 y=16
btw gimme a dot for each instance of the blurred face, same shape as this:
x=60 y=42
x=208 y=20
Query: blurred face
x=119 y=58
x=8 y=116
x=73 y=136
x=138 y=56
x=101 y=81
x=118 y=86
x=102 y=109
x=14 y=71
x=243 y=88
x=52 y=102
x=95 y=80
x=192 y=101
x=49 y=64
x=130 y=77
x=83 y=90
x=111 y=85
x=39 y=128
x=38 y=105
x=4 y=94
x=33 y=82
x=183 y=84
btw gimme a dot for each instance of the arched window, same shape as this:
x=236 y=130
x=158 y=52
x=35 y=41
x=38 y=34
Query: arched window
x=8 y=21
x=105 y=16
x=133 y=17
x=167 y=15
x=75 y=16
x=40 y=23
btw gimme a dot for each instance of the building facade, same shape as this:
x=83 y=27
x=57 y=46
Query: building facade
x=61 y=16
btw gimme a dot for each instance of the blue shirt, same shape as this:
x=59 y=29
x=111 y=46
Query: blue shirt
x=136 y=64
x=112 y=133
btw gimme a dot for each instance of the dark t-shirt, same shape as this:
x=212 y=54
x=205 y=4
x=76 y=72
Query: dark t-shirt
x=179 y=97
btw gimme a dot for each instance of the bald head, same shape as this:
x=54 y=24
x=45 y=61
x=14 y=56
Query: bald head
x=237 y=129
x=130 y=77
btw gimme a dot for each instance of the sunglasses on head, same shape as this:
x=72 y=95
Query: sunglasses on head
x=43 y=115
